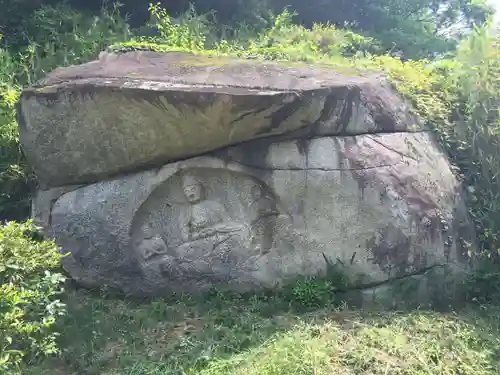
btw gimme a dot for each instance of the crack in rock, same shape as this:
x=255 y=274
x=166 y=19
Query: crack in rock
x=317 y=168
x=391 y=280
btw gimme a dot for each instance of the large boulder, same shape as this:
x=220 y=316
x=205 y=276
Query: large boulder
x=327 y=170
x=128 y=111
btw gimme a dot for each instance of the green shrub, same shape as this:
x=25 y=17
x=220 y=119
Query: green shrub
x=477 y=134
x=13 y=15
x=14 y=175
x=190 y=31
x=282 y=40
x=29 y=286
x=61 y=36
x=311 y=292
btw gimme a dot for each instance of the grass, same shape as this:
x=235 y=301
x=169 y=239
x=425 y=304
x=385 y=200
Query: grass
x=268 y=335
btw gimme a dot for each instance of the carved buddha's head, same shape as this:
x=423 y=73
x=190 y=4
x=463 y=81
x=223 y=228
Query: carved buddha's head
x=193 y=189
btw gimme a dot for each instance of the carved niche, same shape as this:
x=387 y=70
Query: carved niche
x=207 y=221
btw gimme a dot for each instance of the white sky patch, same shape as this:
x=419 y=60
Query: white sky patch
x=496 y=4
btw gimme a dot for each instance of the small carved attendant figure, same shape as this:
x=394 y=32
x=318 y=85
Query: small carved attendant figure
x=153 y=251
x=264 y=214
x=207 y=226
x=152 y=244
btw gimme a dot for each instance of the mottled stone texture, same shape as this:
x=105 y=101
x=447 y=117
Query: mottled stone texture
x=126 y=111
x=295 y=166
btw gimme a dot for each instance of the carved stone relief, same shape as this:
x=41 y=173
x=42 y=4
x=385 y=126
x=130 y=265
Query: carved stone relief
x=152 y=251
x=208 y=221
x=244 y=222
x=267 y=222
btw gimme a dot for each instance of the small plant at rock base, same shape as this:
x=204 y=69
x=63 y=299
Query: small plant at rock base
x=29 y=289
x=318 y=291
x=311 y=292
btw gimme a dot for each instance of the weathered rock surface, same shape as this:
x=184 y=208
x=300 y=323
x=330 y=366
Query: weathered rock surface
x=129 y=111
x=258 y=214
x=173 y=172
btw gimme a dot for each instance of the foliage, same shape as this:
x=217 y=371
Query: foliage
x=283 y=40
x=29 y=288
x=321 y=40
x=189 y=32
x=13 y=15
x=311 y=292
x=14 y=180
x=477 y=136
x=414 y=29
